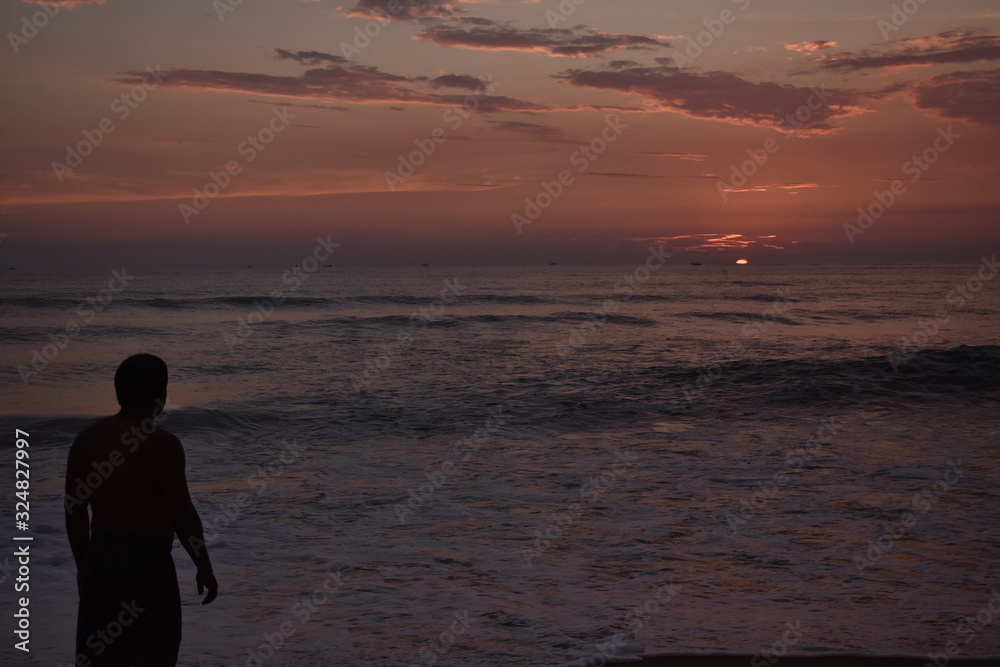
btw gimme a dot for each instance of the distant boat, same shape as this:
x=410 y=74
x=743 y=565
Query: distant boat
x=695 y=263
x=552 y=264
x=425 y=264
x=328 y=266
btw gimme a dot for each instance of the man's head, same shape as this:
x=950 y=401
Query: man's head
x=141 y=380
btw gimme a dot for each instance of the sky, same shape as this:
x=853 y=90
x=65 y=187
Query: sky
x=201 y=133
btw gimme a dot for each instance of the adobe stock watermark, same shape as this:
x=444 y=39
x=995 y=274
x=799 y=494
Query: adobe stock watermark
x=363 y=36
x=303 y=611
x=966 y=631
x=463 y=449
x=101 y=639
x=223 y=7
x=102 y=470
x=752 y=330
x=957 y=299
x=427 y=146
x=789 y=126
x=87 y=310
x=435 y=648
x=581 y=158
x=636 y=618
x=714 y=27
x=796 y=461
x=591 y=491
x=293 y=278
x=901 y=15
x=770 y=655
x=915 y=168
x=31 y=25
x=922 y=503
x=565 y=9
x=623 y=291
x=226 y=515
x=375 y=366
x=248 y=149
x=122 y=107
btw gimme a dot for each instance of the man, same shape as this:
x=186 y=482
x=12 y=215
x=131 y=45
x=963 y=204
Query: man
x=130 y=472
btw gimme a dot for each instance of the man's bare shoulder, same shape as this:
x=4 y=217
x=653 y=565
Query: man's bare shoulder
x=93 y=432
x=115 y=429
x=95 y=428
x=166 y=445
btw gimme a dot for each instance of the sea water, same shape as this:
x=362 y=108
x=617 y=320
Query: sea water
x=539 y=465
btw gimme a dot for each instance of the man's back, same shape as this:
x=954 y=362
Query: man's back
x=120 y=464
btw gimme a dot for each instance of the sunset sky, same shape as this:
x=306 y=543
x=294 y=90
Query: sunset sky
x=627 y=123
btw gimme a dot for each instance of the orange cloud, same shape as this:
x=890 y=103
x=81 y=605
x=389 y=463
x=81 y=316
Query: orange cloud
x=810 y=47
x=713 y=242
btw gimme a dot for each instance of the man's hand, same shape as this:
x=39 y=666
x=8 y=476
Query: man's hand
x=207 y=580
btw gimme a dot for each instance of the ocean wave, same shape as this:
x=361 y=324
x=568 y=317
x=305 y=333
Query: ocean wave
x=448 y=320
x=588 y=392
x=743 y=318
x=34 y=303
x=39 y=302
x=923 y=376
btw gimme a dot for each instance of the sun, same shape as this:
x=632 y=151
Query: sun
x=742 y=261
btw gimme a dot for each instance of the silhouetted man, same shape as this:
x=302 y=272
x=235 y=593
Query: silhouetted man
x=131 y=474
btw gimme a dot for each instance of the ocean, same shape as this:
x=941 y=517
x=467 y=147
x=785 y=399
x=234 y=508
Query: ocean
x=542 y=465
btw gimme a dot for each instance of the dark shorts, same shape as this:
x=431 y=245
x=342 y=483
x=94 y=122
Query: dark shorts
x=130 y=605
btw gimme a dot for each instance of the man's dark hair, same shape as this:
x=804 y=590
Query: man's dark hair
x=140 y=380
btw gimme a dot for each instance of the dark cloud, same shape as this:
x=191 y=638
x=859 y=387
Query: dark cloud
x=722 y=96
x=971 y=96
x=691 y=157
x=623 y=64
x=310 y=58
x=569 y=42
x=353 y=83
x=955 y=46
x=325 y=107
x=620 y=174
x=462 y=81
x=404 y=9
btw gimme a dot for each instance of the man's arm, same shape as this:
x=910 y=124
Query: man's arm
x=183 y=515
x=77 y=517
